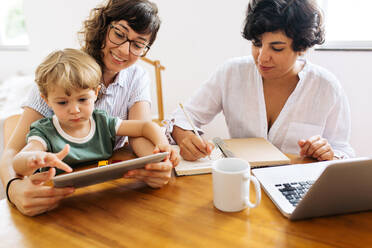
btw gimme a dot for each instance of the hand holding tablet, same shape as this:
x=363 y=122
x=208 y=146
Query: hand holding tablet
x=105 y=173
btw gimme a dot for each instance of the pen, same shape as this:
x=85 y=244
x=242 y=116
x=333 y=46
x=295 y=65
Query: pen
x=193 y=126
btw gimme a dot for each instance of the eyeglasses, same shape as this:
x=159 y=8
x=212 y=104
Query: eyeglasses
x=118 y=37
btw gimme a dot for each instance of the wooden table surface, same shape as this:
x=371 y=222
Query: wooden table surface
x=127 y=213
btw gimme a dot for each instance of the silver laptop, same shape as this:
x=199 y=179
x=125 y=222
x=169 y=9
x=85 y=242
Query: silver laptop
x=319 y=189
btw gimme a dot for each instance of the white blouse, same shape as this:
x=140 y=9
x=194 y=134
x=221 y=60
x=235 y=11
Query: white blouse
x=317 y=106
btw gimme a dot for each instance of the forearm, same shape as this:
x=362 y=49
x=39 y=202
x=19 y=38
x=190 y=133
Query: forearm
x=153 y=132
x=16 y=143
x=141 y=146
x=178 y=134
x=6 y=166
x=20 y=163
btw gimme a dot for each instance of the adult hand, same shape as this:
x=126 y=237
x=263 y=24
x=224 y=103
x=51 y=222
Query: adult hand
x=316 y=147
x=31 y=197
x=40 y=159
x=191 y=146
x=155 y=175
x=173 y=155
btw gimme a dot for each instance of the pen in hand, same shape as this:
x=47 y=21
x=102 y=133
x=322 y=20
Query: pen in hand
x=193 y=127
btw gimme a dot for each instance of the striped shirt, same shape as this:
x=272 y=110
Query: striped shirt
x=130 y=86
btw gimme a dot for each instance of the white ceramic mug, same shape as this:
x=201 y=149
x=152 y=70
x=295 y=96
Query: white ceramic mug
x=231 y=179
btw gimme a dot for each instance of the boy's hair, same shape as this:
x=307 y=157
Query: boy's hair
x=141 y=15
x=301 y=20
x=69 y=69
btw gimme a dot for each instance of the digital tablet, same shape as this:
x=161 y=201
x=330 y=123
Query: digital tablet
x=105 y=173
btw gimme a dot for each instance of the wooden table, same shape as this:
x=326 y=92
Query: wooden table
x=125 y=213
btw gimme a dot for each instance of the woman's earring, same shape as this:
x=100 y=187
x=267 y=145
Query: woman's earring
x=301 y=55
x=101 y=91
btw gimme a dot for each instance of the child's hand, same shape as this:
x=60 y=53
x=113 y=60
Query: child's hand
x=173 y=155
x=48 y=159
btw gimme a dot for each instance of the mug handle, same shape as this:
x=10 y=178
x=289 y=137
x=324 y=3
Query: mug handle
x=257 y=189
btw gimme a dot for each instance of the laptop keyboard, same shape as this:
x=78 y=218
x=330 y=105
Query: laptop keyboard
x=294 y=191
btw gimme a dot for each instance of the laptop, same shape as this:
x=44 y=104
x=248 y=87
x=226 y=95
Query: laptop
x=303 y=191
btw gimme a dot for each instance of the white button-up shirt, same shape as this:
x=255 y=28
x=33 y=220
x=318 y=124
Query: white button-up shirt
x=317 y=106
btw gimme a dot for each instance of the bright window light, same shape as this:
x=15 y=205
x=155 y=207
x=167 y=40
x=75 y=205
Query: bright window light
x=13 y=33
x=347 y=24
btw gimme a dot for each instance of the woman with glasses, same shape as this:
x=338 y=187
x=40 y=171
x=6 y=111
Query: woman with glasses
x=275 y=93
x=115 y=35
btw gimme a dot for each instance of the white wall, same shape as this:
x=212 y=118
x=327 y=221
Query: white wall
x=353 y=70
x=51 y=25
x=195 y=37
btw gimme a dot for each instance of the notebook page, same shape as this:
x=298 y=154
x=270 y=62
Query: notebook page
x=200 y=166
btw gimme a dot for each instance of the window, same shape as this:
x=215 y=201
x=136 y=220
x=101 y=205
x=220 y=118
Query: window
x=13 y=34
x=347 y=24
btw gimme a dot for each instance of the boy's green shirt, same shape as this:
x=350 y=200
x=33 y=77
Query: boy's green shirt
x=99 y=147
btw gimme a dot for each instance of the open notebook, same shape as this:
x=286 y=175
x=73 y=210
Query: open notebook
x=257 y=151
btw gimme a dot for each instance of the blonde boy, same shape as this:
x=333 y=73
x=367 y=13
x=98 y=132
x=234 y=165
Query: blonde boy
x=68 y=81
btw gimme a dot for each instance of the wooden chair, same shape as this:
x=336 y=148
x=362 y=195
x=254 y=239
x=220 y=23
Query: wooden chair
x=159 y=91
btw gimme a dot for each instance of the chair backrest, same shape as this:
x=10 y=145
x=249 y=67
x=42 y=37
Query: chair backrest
x=159 y=91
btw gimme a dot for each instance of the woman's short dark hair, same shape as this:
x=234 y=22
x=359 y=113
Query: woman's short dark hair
x=141 y=15
x=300 y=20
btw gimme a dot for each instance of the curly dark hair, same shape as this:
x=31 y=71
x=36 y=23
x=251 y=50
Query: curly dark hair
x=141 y=15
x=300 y=20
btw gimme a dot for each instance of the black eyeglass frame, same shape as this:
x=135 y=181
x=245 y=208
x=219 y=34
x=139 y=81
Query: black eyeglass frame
x=145 y=50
